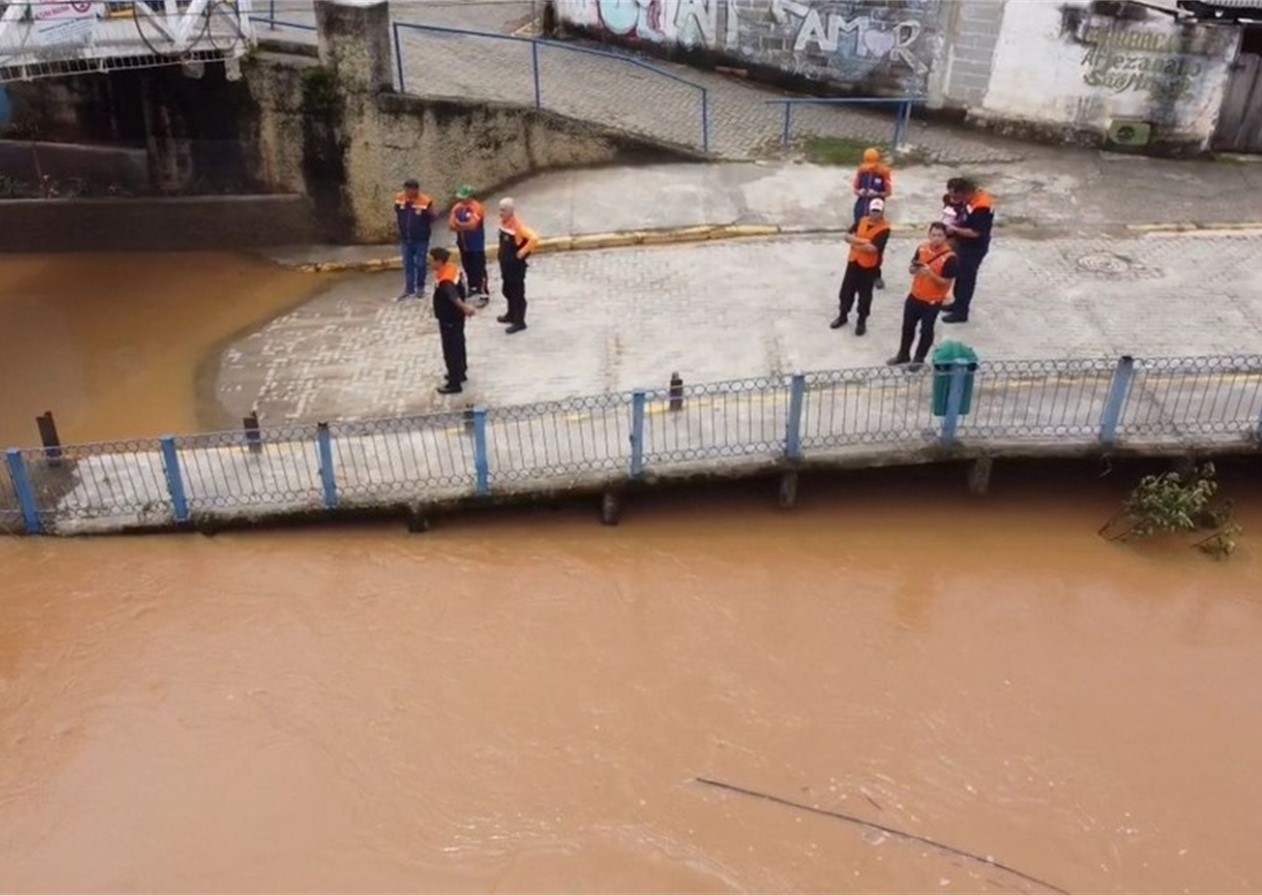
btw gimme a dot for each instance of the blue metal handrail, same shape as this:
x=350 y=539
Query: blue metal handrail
x=902 y=117
x=784 y=419
x=273 y=23
x=535 y=44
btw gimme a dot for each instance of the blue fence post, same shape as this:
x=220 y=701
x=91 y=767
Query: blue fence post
x=901 y=118
x=1119 y=389
x=328 y=476
x=705 y=119
x=398 y=58
x=480 y=466
x=534 y=59
x=639 y=400
x=26 y=494
x=955 y=401
x=788 y=115
x=793 y=426
x=175 y=478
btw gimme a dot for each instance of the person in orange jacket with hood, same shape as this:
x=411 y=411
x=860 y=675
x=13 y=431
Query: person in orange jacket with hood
x=872 y=180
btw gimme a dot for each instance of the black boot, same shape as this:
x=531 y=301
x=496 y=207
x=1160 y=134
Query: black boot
x=861 y=327
x=838 y=322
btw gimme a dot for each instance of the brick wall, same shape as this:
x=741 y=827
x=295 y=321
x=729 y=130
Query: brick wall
x=970 y=51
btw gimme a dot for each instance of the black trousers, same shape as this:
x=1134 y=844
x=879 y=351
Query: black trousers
x=515 y=291
x=474 y=264
x=452 y=334
x=966 y=281
x=858 y=281
x=922 y=313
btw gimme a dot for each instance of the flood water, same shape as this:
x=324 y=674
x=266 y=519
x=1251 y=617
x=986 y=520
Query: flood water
x=523 y=701
x=110 y=343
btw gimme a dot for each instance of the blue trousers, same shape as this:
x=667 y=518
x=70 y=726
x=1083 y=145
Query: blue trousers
x=414 y=266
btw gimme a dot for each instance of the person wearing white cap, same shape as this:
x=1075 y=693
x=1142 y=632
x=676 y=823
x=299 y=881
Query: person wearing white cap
x=517 y=241
x=867 y=239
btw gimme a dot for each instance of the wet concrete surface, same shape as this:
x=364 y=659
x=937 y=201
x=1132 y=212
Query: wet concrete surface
x=1054 y=193
x=621 y=319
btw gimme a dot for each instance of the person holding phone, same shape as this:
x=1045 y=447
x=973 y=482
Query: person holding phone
x=933 y=269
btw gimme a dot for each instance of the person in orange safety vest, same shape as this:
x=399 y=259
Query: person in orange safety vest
x=933 y=269
x=867 y=239
x=516 y=242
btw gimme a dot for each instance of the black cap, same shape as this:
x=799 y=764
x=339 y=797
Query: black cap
x=411 y=182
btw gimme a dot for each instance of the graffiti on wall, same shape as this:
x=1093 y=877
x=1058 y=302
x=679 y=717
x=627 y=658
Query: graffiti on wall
x=690 y=23
x=841 y=39
x=1121 y=60
x=860 y=34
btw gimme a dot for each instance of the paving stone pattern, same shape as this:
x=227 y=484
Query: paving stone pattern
x=617 y=320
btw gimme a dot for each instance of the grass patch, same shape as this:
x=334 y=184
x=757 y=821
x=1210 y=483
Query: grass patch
x=837 y=150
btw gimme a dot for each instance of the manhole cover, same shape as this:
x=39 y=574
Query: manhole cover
x=1106 y=263
x=1111 y=266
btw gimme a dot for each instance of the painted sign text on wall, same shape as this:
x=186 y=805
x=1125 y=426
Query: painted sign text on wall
x=1143 y=61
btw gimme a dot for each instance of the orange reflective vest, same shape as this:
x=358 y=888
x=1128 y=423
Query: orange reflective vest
x=448 y=273
x=922 y=288
x=868 y=230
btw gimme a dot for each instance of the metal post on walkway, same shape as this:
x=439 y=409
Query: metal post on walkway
x=639 y=400
x=25 y=494
x=534 y=58
x=705 y=119
x=793 y=426
x=175 y=478
x=481 y=468
x=788 y=119
x=1115 y=402
x=955 y=401
x=328 y=476
x=398 y=58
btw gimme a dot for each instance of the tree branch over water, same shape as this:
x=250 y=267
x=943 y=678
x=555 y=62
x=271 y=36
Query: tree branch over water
x=893 y=832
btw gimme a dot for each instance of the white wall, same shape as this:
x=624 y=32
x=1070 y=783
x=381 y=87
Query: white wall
x=1059 y=64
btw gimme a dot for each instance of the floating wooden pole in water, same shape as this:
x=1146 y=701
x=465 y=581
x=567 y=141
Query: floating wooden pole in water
x=610 y=508
x=789 y=488
x=979 y=475
x=49 y=439
x=893 y=832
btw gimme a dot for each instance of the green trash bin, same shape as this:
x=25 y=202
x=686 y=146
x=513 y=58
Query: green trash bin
x=944 y=358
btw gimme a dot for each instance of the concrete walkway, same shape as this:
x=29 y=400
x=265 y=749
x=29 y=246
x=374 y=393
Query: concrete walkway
x=620 y=319
x=1053 y=193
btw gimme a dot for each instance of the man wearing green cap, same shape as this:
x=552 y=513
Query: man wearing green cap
x=466 y=221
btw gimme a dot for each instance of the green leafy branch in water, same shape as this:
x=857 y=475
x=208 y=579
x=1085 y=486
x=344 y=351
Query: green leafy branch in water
x=1172 y=502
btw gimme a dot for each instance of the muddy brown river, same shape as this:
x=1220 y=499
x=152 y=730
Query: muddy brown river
x=524 y=701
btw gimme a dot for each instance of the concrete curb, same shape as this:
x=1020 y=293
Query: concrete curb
x=1193 y=227
x=707 y=232
x=615 y=240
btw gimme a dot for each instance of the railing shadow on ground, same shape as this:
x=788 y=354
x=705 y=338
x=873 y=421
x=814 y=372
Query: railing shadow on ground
x=859 y=416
